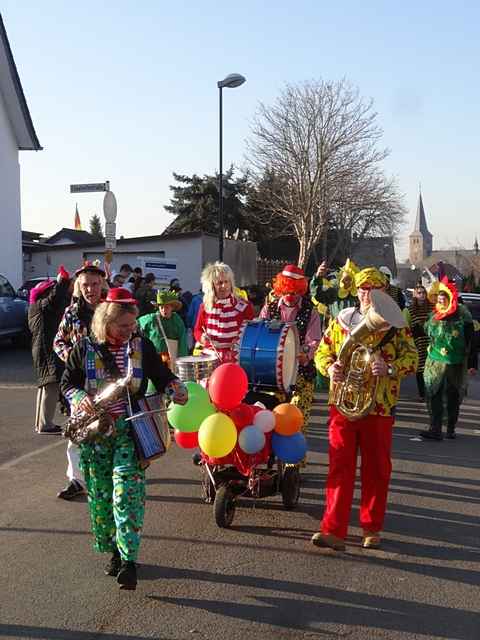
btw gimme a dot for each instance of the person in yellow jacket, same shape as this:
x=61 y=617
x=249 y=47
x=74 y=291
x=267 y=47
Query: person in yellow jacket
x=396 y=357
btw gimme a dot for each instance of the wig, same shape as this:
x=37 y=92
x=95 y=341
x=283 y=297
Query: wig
x=210 y=275
x=283 y=285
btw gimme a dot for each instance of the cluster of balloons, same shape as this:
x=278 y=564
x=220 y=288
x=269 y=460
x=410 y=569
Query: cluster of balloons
x=219 y=422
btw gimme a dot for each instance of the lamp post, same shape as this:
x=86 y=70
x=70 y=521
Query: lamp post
x=231 y=81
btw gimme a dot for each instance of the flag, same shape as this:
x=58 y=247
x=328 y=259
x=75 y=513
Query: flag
x=78 y=224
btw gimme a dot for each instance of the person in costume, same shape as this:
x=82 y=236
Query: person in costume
x=450 y=352
x=48 y=300
x=393 y=291
x=396 y=357
x=416 y=315
x=335 y=294
x=88 y=289
x=292 y=303
x=114 y=477
x=165 y=329
x=221 y=313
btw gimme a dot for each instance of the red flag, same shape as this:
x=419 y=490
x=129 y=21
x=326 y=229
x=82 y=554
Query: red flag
x=78 y=224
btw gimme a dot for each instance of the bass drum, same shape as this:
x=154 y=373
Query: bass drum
x=268 y=352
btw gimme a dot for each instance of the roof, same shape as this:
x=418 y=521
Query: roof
x=14 y=97
x=375 y=252
x=421 y=220
x=76 y=237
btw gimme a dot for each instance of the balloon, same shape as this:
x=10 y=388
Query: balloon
x=251 y=439
x=227 y=386
x=217 y=435
x=290 y=449
x=264 y=420
x=196 y=389
x=191 y=415
x=186 y=439
x=288 y=418
x=242 y=415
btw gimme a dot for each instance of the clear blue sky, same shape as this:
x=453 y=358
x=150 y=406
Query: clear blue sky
x=126 y=91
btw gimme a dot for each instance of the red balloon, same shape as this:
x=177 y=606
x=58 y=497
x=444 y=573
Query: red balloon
x=242 y=415
x=186 y=439
x=227 y=386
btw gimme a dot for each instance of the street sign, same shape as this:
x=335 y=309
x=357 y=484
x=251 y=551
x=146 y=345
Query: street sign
x=110 y=243
x=93 y=186
x=110 y=235
x=109 y=207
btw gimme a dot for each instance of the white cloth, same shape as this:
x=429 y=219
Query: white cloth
x=73 y=470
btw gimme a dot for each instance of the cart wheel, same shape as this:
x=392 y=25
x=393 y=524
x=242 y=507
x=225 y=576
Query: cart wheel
x=224 y=506
x=290 y=486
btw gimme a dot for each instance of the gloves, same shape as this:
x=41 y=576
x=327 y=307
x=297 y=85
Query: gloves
x=177 y=392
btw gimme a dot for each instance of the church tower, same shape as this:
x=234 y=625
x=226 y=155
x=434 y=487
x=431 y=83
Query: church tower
x=421 y=240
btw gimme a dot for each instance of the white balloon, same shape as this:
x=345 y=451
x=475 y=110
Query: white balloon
x=264 y=420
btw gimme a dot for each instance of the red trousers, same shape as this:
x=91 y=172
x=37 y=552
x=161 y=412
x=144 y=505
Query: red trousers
x=373 y=437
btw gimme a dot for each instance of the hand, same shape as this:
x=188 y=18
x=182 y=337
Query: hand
x=379 y=367
x=322 y=269
x=472 y=372
x=204 y=339
x=177 y=392
x=335 y=371
x=86 y=405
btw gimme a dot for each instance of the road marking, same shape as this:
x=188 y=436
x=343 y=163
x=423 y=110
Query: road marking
x=26 y=456
x=18 y=386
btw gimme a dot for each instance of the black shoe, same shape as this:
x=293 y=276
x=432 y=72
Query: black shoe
x=127 y=576
x=71 y=491
x=114 y=566
x=451 y=435
x=54 y=429
x=430 y=434
x=197 y=459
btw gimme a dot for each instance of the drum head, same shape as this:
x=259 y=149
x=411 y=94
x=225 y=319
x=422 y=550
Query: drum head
x=290 y=358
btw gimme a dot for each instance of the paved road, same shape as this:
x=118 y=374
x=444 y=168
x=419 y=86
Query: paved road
x=261 y=579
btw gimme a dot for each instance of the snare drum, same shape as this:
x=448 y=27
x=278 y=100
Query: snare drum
x=196 y=368
x=268 y=352
x=149 y=426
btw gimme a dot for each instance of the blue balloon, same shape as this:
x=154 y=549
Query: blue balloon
x=290 y=449
x=251 y=440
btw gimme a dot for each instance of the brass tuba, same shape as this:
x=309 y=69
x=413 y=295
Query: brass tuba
x=355 y=396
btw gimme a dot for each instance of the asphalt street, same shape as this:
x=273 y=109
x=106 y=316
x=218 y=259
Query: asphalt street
x=259 y=579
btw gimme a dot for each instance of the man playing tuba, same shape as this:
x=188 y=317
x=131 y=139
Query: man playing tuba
x=372 y=371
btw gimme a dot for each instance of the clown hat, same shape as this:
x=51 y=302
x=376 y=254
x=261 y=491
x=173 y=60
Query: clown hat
x=291 y=280
x=169 y=297
x=292 y=271
x=91 y=267
x=119 y=295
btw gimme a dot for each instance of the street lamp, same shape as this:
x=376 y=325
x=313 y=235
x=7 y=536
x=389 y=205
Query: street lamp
x=231 y=81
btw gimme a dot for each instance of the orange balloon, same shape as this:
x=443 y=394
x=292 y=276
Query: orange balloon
x=288 y=419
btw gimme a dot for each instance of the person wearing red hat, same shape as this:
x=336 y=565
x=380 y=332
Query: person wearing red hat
x=89 y=287
x=292 y=303
x=113 y=474
x=47 y=304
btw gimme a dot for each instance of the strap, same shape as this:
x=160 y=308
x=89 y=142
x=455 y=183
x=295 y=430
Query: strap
x=386 y=338
x=164 y=335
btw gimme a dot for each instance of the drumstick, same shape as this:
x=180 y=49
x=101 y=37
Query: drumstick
x=211 y=343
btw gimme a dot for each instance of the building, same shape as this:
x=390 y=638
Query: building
x=181 y=255
x=423 y=260
x=17 y=133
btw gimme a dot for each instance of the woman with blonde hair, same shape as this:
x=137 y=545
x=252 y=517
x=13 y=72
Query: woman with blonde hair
x=221 y=313
x=114 y=477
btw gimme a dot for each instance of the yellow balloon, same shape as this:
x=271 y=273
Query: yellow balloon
x=217 y=435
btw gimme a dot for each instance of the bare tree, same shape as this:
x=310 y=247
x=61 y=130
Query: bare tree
x=320 y=141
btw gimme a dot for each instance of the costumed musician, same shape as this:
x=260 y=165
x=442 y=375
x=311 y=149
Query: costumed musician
x=395 y=357
x=114 y=477
x=416 y=315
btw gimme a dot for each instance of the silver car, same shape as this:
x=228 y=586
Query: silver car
x=13 y=313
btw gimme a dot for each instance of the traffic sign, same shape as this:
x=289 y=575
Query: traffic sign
x=93 y=186
x=110 y=243
x=109 y=207
x=110 y=235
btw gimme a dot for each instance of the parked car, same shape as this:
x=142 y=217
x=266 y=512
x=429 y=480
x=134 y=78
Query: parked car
x=13 y=313
x=24 y=291
x=472 y=302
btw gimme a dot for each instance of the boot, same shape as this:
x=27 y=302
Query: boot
x=431 y=434
x=127 y=576
x=113 y=567
x=451 y=433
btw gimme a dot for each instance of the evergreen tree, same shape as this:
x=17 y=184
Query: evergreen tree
x=95 y=226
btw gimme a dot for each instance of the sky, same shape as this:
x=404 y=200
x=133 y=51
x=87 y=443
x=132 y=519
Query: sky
x=127 y=91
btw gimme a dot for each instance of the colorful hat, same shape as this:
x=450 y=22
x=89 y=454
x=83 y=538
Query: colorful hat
x=120 y=295
x=370 y=278
x=346 y=279
x=169 y=297
x=290 y=280
x=91 y=267
x=450 y=290
x=39 y=289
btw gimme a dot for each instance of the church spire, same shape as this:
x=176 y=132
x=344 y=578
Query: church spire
x=475 y=246
x=420 y=220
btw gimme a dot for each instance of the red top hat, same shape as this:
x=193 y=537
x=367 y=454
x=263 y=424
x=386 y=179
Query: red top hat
x=90 y=267
x=120 y=296
x=292 y=271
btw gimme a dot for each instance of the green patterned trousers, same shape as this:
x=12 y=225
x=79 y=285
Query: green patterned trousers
x=116 y=492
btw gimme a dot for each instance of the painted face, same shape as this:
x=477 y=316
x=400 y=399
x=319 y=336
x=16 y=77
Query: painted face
x=291 y=299
x=165 y=310
x=91 y=287
x=222 y=287
x=121 y=330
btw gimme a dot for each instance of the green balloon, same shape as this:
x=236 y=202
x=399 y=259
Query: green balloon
x=189 y=417
x=195 y=389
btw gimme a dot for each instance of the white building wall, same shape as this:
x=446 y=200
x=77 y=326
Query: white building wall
x=10 y=212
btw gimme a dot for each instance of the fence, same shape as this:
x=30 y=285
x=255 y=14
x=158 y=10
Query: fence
x=266 y=269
